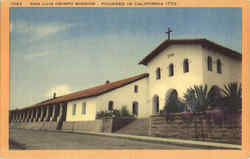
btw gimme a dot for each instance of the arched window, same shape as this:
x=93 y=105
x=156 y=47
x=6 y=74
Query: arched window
x=111 y=105
x=135 y=88
x=158 y=73
x=219 y=70
x=83 y=108
x=185 y=66
x=171 y=69
x=209 y=63
x=74 y=109
x=155 y=104
x=135 y=108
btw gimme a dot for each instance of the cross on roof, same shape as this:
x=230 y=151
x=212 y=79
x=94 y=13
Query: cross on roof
x=169 y=32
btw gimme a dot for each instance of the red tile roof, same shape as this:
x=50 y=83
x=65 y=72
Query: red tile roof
x=95 y=91
x=204 y=42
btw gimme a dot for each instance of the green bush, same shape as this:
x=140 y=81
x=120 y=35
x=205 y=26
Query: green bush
x=114 y=113
x=124 y=112
x=100 y=114
x=108 y=114
x=232 y=99
x=199 y=97
x=173 y=103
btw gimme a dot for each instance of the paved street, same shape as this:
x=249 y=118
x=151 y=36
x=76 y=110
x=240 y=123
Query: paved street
x=35 y=139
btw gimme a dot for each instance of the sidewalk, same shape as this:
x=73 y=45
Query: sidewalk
x=198 y=144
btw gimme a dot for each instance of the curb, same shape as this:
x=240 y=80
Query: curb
x=179 y=142
x=149 y=139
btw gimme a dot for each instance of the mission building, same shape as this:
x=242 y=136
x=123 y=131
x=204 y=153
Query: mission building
x=175 y=64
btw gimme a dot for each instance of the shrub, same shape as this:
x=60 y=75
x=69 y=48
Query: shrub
x=100 y=114
x=124 y=112
x=108 y=114
x=172 y=103
x=114 y=113
x=199 y=98
x=214 y=96
x=232 y=97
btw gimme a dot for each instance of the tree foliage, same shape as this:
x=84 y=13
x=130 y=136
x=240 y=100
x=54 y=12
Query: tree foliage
x=116 y=113
x=199 y=97
x=124 y=112
x=232 y=96
x=172 y=103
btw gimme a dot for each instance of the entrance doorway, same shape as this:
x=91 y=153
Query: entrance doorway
x=155 y=104
x=135 y=108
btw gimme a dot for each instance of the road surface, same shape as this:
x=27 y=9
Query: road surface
x=37 y=139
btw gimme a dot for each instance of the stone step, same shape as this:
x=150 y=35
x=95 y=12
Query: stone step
x=137 y=127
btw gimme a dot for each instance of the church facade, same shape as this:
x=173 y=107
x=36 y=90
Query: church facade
x=175 y=64
x=180 y=64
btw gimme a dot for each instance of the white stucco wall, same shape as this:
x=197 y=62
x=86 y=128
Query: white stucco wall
x=148 y=87
x=125 y=96
x=180 y=81
x=90 y=110
x=231 y=69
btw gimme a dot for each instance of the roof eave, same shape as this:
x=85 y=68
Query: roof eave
x=203 y=42
x=143 y=63
x=142 y=76
x=224 y=50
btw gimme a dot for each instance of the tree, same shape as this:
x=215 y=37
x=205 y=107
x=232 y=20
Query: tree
x=232 y=96
x=173 y=103
x=199 y=97
x=124 y=112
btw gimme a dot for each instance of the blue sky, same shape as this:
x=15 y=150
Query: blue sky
x=69 y=49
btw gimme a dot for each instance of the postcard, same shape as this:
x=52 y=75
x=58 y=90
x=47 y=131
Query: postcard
x=124 y=79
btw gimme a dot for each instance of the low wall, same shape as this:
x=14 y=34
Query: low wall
x=199 y=128
x=51 y=125
x=113 y=124
x=95 y=125
x=120 y=123
x=108 y=125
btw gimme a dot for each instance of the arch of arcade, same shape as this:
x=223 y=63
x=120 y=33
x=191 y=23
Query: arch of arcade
x=44 y=113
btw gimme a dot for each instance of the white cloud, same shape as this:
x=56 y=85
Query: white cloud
x=59 y=90
x=37 y=31
x=35 y=55
x=31 y=32
x=48 y=29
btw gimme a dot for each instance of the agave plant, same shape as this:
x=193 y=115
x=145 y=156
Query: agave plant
x=199 y=97
x=232 y=93
x=215 y=96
